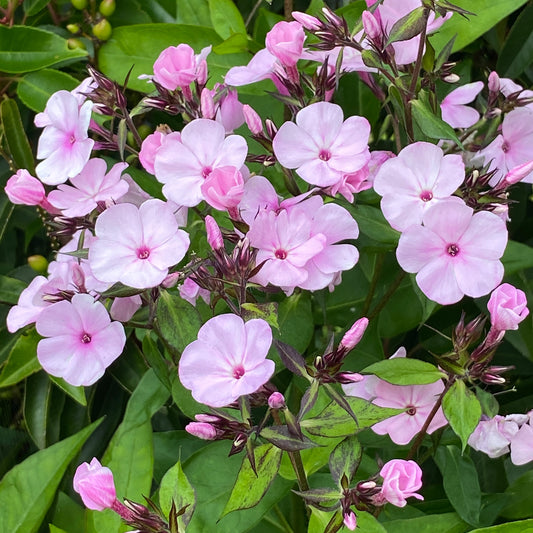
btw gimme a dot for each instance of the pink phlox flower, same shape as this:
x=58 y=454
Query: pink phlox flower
x=136 y=246
x=182 y=166
x=454 y=110
x=178 y=66
x=135 y=194
x=455 y=252
x=522 y=444
x=92 y=185
x=401 y=480
x=513 y=147
x=350 y=520
x=322 y=146
x=123 y=309
x=64 y=144
x=227 y=360
x=352 y=60
x=229 y=111
x=81 y=341
x=95 y=484
x=190 y=291
x=223 y=188
x=260 y=67
x=285 y=41
x=493 y=435
x=507 y=307
x=23 y=189
x=149 y=148
x=419 y=178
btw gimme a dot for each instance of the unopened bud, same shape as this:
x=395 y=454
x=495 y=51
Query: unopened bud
x=518 y=173
x=73 y=28
x=494 y=82
x=271 y=128
x=276 y=400
x=107 y=7
x=354 y=335
x=207 y=104
x=38 y=263
x=349 y=377
x=253 y=120
x=451 y=78
x=365 y=486
x=350 y=520
x=201 y=73
x=210 y=419
x=202 y=430
x=332 y=17
x=492 y=379
x=171 y=280
x=79 y=4
x=214 y=235
x=307 y=21
x=371 y=26
x=102 y=30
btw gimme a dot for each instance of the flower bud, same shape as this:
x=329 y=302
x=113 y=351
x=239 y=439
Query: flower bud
x=451 y=78
x=95 y=484
x=507 y=307
x=307 y=21
x=354 y=335
x=23 y=189
x=350 y=520
x=38 y=263
x=79 y=4
x=286 y=42
x=494 y=82
x=253 y=120
x=276 y=400
x=371 y=26
x=102 y=30
x=171 y=280
x=214 y=235
x=207 y=104
x=517 y=173
x=202 y=430
x=107 y=7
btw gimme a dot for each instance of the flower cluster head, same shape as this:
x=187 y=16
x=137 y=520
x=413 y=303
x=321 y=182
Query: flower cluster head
x=227 y=360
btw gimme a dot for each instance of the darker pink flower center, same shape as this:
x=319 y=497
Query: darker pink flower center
x=72 y=139
x=426 y=196
x=411 y=410
x=238 y=372
x=280 y=254
x=452 y=250
x=206 y=171
x=505 y=146
x=85 y=338
x=324 y=155
x=143 y=253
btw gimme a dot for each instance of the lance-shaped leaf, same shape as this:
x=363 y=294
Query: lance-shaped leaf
x=22 y=360
x=408 y=26
x=292 y=359
x=334 y=421
x=267 y=311
x=176 y=490
x=249 y=487
x=340 y=399
x=281 y=437
x=320 y=496
x=403 y=371
x=27 y=490
x=462 y=410
x=345 y=459
x=335 y=523
x=309 y=399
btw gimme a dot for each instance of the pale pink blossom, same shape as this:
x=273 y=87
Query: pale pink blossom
x=420 y=177
x=285 y=41
x=507 y=307
x=223 y=189
x=122 y=309
x=522 y=445
x=227 y=360
x=229 y=111
x=190 y=291
x=149 y=148
x=455 y=252
x=95 y=484
x=182 y=165
x=401 y=480
x=92 y=185
x=454 y=110
x=81 y=341
x=260 y=67
x=64 y=144
x=350 y=520
x=136 y=246
x=493 y=436
x=322 y=146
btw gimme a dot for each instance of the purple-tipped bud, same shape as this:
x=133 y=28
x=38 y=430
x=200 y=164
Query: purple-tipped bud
x=253 y=120
x=349 y=377
x=307 y=21
x=492 y=379
x=331 y=16
x=171 y=280
x=271 y=128
x=201 y=73
x=494 y=82
x=451 y=78
x=371 y=26
x=207 y=104
x=517 y=173
x=214 y=235
x=365 y=486
x=354 y=335
x=202 y=430
x=276 y=400
x=209 y=419
x=78 y=277
x=350 y=520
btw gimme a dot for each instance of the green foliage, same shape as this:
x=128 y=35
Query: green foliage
x=402 y=371
x=176 y=490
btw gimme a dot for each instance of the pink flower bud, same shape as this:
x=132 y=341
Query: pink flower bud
x=276 y=400
x=94 y=483
x=350 y=520
x=349 y=377
x=354 y=335
x=201 y=72
x=207 y=104
x=494 y=82
x=517 y=173
x=371 y=26
x=507 y=307
x=210 y=419
x=253 y=120
x=214 y=235
x=230 y=113
x=23 y=189
x=202 y=430
x=223 y=188
x=307 y=21
x=149 y=149
x=175 y=67
x=171 y=280
x=190 y=291
x=401 y=480
x=451 y=78
x=286 y=41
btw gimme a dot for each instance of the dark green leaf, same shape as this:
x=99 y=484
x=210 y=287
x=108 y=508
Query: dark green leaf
x=15 y=136
x=37 y=399
x=196 y=14
x=373 y=224
x=461 y=482
x=403 y=371
x=441 y=523
x=462 y=410
x=157 y=361
x=345 y=459
x=489 y=404
x=292 y=359
x=520 y=497
x=175 y=487
x=517 y=256
x=320 y=495
x=237 y=42
x=250 y=486
x=10 y=289
x=226 y=18
x=76 y=393
x=31 y=7
x=27 y=491
x=23 y=49
x=22 y=360
x=267 y=311
x=408 y=26
x=295 y=320
x=523 y=526
x=283 y=439
x=119 y=290
x=431 y=125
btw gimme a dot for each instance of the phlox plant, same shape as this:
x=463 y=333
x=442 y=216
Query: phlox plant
x=277 y=267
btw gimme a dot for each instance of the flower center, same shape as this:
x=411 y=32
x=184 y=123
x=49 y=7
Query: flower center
x=411 y=410
x=85 y=338
x=206 y=171
x=72 y=139
x=280 y=254
x=324 y=155
x=505 y=146
x=238 y=372
x=452 y=249
x=143 y=253
x=426 y=196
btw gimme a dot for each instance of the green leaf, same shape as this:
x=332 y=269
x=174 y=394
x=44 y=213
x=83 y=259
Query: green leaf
x=140 y=45
x=403 y=371
x=10 y=289
x=441 y=523
x=36 y=407
x=23 y=49
x=408 y=26
x=250 y=486
x=373 y=224
x=32 y=7
x=488 y=14
x=76 y=393
x=283 y=439
x=520 y=497
x=461 y=482
x=27 y=491
x=14 y=135
x=156 y=360
x=523 y=526
x=431 y=125
x=22 y=360
x=267 y=311
x=295 y=320
x=175 y=487
x=462 y=410
x=334 y=421
x=196 y=14
x=345 y=459
x=517 y=256
x=54 y=529
x=226 y=18
x=237 y=42
x=177 y=321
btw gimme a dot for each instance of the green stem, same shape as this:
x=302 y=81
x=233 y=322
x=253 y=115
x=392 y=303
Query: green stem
x=387 y=296
x=373 y=283
x=298 y=467
x=283 y=520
